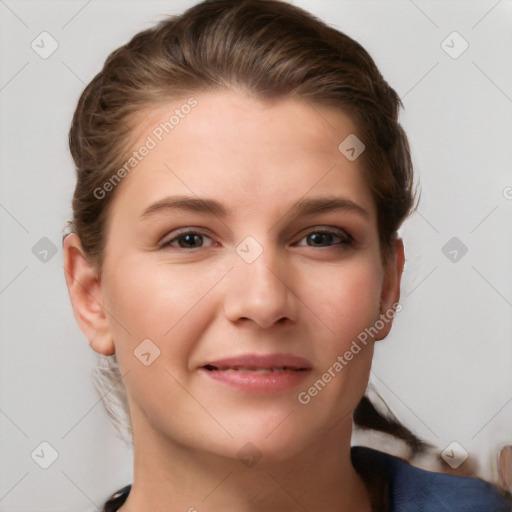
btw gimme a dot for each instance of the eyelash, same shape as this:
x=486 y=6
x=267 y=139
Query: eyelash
x=345 y=239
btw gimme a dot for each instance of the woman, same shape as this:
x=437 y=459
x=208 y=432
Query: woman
x=241 y=179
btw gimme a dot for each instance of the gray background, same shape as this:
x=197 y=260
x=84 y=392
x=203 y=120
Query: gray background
x=445 y=370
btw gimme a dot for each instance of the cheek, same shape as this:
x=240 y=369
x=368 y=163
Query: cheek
x=159 y=302
x=346 y=300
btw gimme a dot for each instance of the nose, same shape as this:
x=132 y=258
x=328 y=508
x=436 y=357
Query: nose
x=260 y=292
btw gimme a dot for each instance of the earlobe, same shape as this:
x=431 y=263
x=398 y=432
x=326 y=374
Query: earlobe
x=85 y=292
x=390 y=294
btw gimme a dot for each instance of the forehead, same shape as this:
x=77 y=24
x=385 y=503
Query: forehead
x=239 y=114
x=240 y=149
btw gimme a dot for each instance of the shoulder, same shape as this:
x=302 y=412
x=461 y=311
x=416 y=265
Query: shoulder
x=412 y=489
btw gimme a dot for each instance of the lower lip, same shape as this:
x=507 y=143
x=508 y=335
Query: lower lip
x=253 y=382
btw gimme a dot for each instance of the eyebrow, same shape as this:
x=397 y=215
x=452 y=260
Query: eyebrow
x=303 y=207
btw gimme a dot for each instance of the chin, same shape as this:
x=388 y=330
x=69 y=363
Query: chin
x=271 y=438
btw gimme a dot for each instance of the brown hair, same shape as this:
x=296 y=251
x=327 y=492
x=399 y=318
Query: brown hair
x=268 y=48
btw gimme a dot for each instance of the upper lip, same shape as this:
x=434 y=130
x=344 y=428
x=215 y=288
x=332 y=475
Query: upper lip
x=260 y=361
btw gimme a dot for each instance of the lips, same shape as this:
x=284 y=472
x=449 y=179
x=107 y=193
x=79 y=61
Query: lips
x=273 y=369
x=257 y=373
x=263 y=363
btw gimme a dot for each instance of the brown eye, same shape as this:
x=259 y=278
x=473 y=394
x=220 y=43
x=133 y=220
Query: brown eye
x=187 y=240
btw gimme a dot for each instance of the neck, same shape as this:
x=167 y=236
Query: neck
x=169 y=476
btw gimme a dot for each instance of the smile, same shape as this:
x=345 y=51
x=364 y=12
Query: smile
x=254 y=369
x=255 y=373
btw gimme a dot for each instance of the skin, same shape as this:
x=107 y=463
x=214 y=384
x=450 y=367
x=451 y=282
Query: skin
x=304 y=295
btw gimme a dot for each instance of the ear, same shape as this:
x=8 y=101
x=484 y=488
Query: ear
x=84 y=286
x=390 y=294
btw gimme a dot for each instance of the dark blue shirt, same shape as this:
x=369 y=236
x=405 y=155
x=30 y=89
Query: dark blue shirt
x=397 y=486
x=409 y=489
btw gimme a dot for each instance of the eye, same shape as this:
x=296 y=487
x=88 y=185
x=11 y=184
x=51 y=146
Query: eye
x=326 y=238
x=187 y=240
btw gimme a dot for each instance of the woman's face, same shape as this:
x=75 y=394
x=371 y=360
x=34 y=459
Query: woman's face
x=241 y=263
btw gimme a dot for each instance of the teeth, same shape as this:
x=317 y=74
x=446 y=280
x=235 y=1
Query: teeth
x=273 y=369
x=258 y=370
